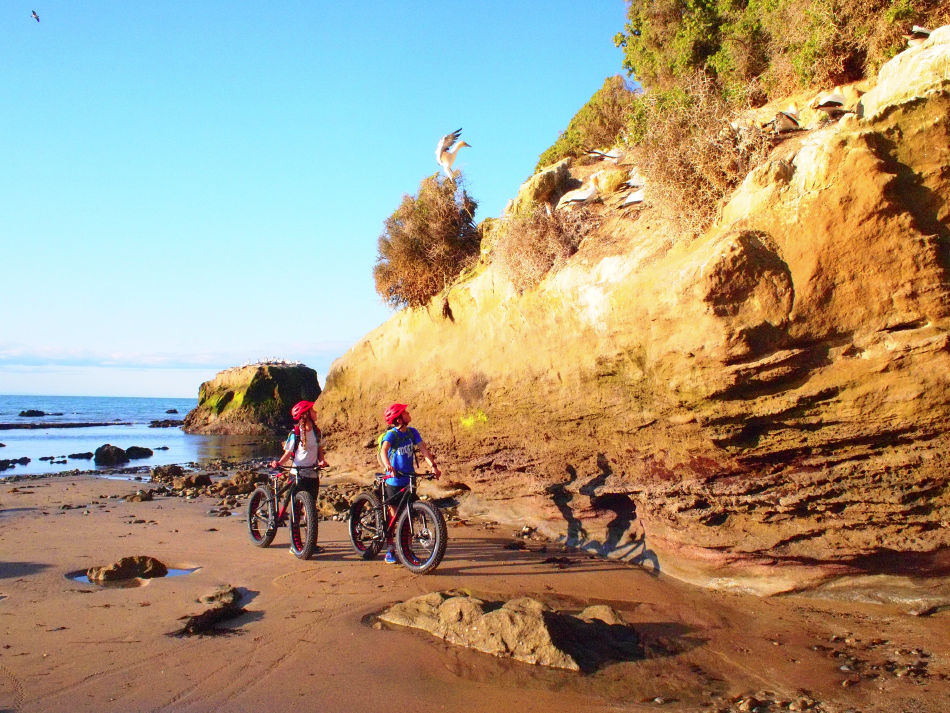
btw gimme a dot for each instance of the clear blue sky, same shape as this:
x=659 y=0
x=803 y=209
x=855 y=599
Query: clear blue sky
x=176 y=176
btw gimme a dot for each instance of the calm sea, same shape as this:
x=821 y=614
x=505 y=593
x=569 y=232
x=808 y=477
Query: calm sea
x=131 y=418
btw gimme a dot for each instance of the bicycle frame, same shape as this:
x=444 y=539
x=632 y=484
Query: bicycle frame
x=286 y=491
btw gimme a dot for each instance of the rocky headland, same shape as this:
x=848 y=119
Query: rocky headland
x=252 y=400
x=765 y=405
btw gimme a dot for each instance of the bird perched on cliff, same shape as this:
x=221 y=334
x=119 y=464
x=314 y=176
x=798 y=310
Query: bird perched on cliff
x=916 y=35
x=35 y=16
x=784 y=121
x=446 y=150
x=832 y=105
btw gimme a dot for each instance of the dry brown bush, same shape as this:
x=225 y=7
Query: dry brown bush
x=426 y=243
x=530 y=246
x=691 y=155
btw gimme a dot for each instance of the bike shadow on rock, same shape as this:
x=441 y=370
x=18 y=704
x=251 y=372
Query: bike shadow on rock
x=624 y=539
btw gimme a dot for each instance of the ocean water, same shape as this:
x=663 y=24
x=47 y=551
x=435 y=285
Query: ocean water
x=128 y=420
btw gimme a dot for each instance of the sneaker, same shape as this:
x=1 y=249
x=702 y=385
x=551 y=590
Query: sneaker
x=390 y=557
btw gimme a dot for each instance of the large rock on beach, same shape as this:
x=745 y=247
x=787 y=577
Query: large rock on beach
x=252 y=400
x=763 y=406
x=110 y=455
x=128 y=568
x=166 y=473
x=241 y=483
x=523 y=629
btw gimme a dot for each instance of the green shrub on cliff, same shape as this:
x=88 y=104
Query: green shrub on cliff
x=756 y=49
x=426 y=243
x=598 y=124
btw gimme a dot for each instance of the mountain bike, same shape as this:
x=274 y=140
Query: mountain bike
x=416 y=528
x=296 y=492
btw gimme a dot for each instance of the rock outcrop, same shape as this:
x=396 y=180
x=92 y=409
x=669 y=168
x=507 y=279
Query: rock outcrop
x=523 y=629
x=764 y=406
x=252 y=400
x=140 y=566
x=108 y=454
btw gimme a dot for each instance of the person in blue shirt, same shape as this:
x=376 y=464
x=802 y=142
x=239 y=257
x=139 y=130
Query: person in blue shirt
x=397 y=455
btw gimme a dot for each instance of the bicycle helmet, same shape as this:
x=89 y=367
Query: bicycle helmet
x=300 y=408
x=394 y=412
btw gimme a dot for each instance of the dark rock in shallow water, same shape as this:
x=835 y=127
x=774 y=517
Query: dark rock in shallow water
x=138 y=452
x=167 y=423
x=31 y=413
x=81 y=456
x=172 y=410
x=110 y=455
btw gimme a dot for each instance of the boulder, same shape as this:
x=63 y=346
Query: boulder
x=193 y=480
x=31 y=413
x=523 y=629
x=110 y=455
x=81 y=456
x=136 y=452
x=140 y=566
x=544 y=187
x=252 y=400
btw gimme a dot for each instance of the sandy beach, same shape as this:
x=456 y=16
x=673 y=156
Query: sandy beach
x=307 y=640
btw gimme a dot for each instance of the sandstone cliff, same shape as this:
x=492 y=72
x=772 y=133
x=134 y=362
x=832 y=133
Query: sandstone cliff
x=254 y=400
x=765 y=405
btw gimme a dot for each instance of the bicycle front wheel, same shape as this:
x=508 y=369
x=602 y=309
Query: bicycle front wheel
x=261 y=517
x=421 y=537
x=303 y=527
x=366 y=525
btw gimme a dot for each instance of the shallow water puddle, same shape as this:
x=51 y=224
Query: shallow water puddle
x=80 y=576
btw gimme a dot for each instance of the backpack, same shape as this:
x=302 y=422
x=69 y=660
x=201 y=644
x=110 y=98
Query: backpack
x=380 y=459
x=293 y=438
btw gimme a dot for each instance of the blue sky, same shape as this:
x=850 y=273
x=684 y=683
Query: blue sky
x=189 y=186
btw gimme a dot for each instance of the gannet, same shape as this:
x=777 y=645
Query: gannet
x=832 y=105
x=916 y=35
x=634 y=197
x=35 y=16
x=784 y=120
x=446 y=155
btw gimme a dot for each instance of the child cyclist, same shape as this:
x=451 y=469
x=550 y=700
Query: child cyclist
x=304 y=446
x=397 y=456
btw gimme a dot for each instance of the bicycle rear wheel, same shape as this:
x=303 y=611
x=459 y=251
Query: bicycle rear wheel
x=421 y=537
x=366 y=525
x=303 y=526
x=261 y=517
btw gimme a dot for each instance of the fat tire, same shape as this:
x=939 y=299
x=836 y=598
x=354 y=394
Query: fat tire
x=261 y=518
x=365 y=525
x=303 y=541
x=426 y=557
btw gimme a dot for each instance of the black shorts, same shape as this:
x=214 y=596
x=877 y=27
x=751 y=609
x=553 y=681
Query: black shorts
x=392 y=492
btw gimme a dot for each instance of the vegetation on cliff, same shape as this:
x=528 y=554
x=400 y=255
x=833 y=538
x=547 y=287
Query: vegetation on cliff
x=426 y=243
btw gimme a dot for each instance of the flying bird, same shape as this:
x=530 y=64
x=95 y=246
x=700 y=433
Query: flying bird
x=35 y=16
x=446 y=150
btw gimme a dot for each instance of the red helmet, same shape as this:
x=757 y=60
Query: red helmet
x=300 y=408
x=394 y=412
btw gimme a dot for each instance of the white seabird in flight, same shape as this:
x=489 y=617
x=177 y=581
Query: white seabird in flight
x=35 y=16
x=446 y=150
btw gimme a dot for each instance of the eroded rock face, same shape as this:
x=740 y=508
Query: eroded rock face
x=252 y=400
x=763 y=406
x=523 y=629
x=127 y=568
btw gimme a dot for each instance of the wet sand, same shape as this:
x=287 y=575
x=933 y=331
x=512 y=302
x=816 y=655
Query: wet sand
x=307 y=639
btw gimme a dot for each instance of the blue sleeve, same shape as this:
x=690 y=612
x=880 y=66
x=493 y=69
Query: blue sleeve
x=414 y=434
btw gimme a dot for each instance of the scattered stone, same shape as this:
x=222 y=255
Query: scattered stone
x=140 y=496
x=225 y=604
